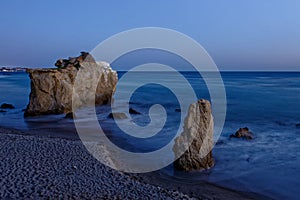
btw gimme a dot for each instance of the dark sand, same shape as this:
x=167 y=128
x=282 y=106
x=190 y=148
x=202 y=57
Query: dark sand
x=46 y=165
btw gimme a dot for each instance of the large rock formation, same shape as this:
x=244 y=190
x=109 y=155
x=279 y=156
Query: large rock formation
x=51 y=89
x=197 y=138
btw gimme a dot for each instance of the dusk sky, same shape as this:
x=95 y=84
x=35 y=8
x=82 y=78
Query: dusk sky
x=239 y=35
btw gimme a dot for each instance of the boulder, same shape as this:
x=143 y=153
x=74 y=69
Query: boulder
x=196 y=140
x=52 y=89
x=134 y=112
x=7 y=106
x=243 y=133
x=117 y=116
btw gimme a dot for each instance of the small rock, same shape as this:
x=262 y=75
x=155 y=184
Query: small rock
x=70 y=115
x=117 y=116
x=298 y=125
x=243 y=133
x=177 y=110
x=7 y=106
x=132 y=111
x=3 y=111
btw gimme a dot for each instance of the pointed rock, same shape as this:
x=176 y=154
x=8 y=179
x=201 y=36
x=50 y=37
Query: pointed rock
x=196 y=140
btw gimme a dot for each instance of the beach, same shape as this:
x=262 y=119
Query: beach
x=254 y=166
x=150 y=100
x=42 y=167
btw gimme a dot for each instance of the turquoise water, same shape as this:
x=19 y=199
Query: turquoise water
x=266 y=102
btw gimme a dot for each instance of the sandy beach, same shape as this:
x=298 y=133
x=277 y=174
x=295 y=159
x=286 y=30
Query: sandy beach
x=40 y=167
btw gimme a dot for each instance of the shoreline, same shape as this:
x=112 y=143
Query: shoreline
x=58 y=149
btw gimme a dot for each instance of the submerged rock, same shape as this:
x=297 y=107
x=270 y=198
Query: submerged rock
x=3 y=111
x=177 y=110
x=243 y=133
x=198 y=124
x=52 y=89
x=7 y=106
x=298 y=125
x=132 y=111
x=117 y=116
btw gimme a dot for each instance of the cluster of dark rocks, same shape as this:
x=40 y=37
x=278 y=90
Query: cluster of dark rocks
x=6 y=106
x=74 y=61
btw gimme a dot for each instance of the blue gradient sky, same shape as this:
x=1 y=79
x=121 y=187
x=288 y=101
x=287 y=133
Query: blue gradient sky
x=239 y=35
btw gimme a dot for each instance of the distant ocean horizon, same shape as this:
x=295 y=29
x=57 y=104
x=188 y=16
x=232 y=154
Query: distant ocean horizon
x=266 y=102
x=179 y=70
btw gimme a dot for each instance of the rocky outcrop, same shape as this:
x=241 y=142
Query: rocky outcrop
x=51 y=89
x=197 y=138
x=243 y=133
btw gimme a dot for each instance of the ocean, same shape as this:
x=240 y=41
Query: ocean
x=266 y=102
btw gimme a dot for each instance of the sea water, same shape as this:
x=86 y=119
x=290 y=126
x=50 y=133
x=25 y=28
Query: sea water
x=266 y=102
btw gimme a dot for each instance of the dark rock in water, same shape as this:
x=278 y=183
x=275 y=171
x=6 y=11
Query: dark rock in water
x=243 y=133
x=70 y=115
x=298 y=125
x=3 y=111
x=132 y=111
x=117 y=116
x=177 y=110
x=198 y=126
x=7 y=106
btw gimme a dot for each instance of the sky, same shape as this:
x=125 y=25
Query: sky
x=238 y=35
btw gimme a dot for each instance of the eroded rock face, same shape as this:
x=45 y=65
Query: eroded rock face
x=51 y=89
x=198 y=127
